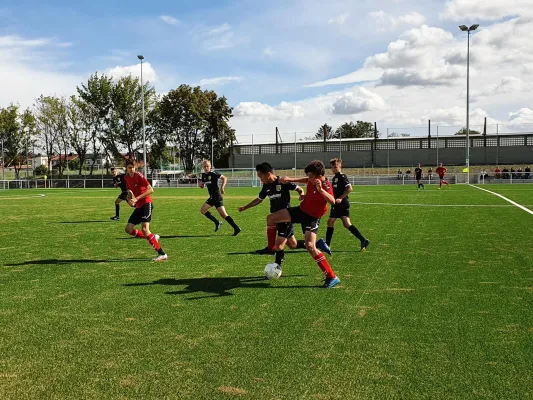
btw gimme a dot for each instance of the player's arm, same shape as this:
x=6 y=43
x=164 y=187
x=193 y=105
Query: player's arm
x=251 y=204
x=286 y=179
x=325 y=194
x=347 y=190
x=224 y=181
x=149 y=190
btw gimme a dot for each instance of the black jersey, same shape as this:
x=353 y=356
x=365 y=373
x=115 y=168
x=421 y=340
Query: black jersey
x=120 y=182
x=278 y=194
x=211 y=181
x=340 y=183
x=418 y=172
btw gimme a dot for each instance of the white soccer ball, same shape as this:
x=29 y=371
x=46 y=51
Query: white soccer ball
x=272 y=271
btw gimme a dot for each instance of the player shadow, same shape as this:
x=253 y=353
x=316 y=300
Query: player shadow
x=169 y=237
x=80 y=222
x=211 y=286
x=55 y=261
x=259 y=254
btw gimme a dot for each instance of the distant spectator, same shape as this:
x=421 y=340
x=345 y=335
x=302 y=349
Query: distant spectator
x=505 y=173
x=497 y=173
x=513 y=172
x=400 y=174
x=408 y=173
x=528 y=172
x=519 y=173
x=484 y=175
x=430 y=173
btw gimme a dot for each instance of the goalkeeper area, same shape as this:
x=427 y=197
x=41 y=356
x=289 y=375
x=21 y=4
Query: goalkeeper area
x=439 y=307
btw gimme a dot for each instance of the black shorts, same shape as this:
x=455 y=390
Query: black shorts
x=215 y=200
x=123 y=196
x=308 y=222
x=418 y=177
x=141 y=214
x=285 y=229
x=339 y=211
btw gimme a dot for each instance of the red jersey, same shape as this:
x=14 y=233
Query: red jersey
x=138 y=185
x=314 y=203
x=441 y=171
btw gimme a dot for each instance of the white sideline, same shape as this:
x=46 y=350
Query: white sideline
x=429 y=205
x=506 y=199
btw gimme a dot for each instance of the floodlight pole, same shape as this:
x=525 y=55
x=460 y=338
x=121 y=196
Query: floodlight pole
x=468 y=30
x=140 y=57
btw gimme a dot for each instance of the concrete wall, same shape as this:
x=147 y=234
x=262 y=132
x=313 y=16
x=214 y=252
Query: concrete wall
x=382 y=158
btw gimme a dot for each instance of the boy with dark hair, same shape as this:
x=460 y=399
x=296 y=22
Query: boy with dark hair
x=280 y=198
x=319 y=193
x=341 y=209
x=210 y=179
x=119 y=182
x=418 y=177
x=139 y=191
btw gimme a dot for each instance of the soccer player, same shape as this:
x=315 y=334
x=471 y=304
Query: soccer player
x=139 y=191
x=280 y=197
x=210 y=179
x=341 y=208
x=418 y=176
x=441 y=171
x=318 y=194
x=119 y=182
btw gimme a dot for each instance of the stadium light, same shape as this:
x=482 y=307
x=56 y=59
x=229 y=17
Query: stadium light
x=140 y=57
x=468 y=30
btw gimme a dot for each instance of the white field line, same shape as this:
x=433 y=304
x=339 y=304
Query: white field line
x=20 y=197
x=506 y=199
x=429 y=205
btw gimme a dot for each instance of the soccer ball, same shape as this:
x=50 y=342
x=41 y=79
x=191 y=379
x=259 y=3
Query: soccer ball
x=272 y=271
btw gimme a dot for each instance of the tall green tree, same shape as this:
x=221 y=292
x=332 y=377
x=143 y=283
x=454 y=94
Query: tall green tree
x=47 y=138
x=360 y=129
x=96 y=98
x=80 y=135
x=194 y=119
x=325 y=130
x=12 y=137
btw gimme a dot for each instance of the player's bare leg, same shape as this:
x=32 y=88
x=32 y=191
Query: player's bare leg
x=130 y=230
x=205 y=211
x=310 y=244
x=222 y=212
x=354 y=231
x=278 y=217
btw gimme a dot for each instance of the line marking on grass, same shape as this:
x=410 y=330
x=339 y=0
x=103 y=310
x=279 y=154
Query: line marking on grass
x=21 y=197
x=506 y=199
x=429 y=205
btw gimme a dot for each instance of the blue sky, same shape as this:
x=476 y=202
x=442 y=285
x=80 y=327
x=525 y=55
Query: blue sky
x=273 y=60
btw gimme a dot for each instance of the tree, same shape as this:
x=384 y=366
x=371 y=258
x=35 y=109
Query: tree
x=12 y=137
x=125 y=128
x=43 y=111
x=96 y=98
x=324 y=130
x=79 y=121
x=190 y=118
x=462 y=132
x=360 y=129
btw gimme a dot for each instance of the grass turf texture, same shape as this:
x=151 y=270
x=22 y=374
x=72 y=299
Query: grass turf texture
x=438 y=308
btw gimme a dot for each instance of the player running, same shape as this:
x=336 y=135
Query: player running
x=341 y=208
x=139 y=191
x=119 y=182
x=210 y=179
x=280 y=197
x=441 y=171
x=318 y=194
x=418 y=176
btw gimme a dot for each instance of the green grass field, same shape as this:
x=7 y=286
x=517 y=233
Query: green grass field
x=439 y=307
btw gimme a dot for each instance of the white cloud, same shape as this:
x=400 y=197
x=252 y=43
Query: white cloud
x=489 y=10
x=167 y=19
x=220 y=37
x=339 y=19
x=262 y=112
x=508 y=84
x=220 y=80
x=522 y=116
x=387 y=22
x=268 y=52
x=358 y=101
x=149 y=74
x=361 y=75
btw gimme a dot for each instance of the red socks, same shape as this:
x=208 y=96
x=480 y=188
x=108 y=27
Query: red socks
x=324 y=265
x=137 y=233
x=153 y=241
x=271 y=236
